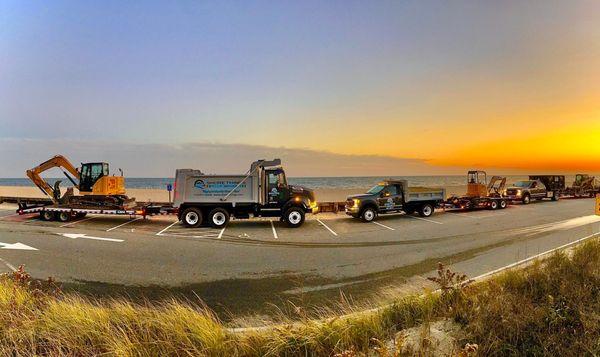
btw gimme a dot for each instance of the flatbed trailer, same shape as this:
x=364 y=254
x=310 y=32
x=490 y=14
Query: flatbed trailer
x=49 y=211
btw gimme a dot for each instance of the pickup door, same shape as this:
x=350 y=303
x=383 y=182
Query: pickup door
x=390 y=199
x=538 y=190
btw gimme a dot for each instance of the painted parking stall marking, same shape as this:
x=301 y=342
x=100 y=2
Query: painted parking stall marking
x=75 y=222
x=274 y=231
x=424 y=219
x=16 y=246
x=327 y=227
x=384 y=226
x=166 y=228
x=123 y=224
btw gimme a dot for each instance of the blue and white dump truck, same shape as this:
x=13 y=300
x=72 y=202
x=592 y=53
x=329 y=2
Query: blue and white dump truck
x=262 y=191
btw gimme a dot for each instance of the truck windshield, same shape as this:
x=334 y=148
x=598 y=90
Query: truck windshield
x=522 y=183
x=376 y=189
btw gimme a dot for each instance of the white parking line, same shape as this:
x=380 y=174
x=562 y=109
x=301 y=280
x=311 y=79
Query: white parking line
x=121 y=225
x=75 y=222
x=425 y=219
x=169 y=226
x=274 y=231
x=221 y=233
x=329 y=229
x=10 y=266
x=384 y=226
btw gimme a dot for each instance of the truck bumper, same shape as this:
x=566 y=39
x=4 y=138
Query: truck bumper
x=514 y=197
x=352 y=211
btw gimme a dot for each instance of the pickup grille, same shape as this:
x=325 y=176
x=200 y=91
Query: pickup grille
x=511 y=191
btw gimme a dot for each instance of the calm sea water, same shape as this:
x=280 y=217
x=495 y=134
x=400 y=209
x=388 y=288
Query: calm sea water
x=311 y=182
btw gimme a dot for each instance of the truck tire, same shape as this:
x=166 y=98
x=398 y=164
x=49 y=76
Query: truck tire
x=191 y=217
x=494 y=205
x=294 y=217
x=503 y=204
x=218 y=218
x=555 y=196
x=47 y=216
x=426 y=210
x=526 y=199
x=368 y=214
x=63 y=216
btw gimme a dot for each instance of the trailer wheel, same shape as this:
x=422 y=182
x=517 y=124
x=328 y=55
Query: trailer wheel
x=46 y=215
x=426 y=210
x=63 y=216
x=503 y=204
x=294 y=217
x=191 y=217
x=218 y=218
x=493 y=205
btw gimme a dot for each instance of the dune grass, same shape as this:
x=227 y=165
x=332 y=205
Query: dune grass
x=549 y=308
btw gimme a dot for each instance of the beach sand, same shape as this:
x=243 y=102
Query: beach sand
x=158 y=195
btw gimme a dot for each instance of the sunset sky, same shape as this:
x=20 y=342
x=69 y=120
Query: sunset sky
x=376 y=87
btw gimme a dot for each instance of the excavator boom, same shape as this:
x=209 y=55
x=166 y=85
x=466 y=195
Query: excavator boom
x=57 y=161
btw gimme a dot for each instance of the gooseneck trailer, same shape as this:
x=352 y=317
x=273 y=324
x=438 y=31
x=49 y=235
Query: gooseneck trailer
x=262 y=191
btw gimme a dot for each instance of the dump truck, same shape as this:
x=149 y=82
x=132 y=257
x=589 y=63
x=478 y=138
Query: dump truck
x=262 y=191
x=393 y=196
x=583 y=186
x=480 y=193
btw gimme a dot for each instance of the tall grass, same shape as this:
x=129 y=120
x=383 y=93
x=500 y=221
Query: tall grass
x=550 y=308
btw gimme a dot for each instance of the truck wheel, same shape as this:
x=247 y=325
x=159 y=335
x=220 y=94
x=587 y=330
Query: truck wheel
x=555 y=196
x=294 y=217
x=47 y=216
x=368 y=214
x=494 y=205
x=426 y=210
x=218 y=218
x=63 y=216
x=191 y=217
x=526 y=199
x=503 y=204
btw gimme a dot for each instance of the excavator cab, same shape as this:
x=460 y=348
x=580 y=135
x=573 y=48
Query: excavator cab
x=477 y=184
x=90 y=174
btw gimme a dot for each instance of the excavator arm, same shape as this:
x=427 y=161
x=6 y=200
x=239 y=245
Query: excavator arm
x=57 y=161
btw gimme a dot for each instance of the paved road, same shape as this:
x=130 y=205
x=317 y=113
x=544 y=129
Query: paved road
x=260 y=261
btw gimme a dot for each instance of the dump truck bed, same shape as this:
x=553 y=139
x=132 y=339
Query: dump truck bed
x=416 y=194
x=194 y=187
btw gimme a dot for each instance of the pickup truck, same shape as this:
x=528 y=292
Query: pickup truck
x=394 y=196
x=532 y=189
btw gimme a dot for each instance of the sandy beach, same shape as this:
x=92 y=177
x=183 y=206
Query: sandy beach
x=157 y=195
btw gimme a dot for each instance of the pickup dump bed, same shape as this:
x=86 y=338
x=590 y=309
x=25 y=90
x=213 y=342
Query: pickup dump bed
x=416 y=194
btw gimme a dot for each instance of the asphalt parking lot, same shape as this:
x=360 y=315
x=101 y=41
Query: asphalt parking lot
x=326 y=250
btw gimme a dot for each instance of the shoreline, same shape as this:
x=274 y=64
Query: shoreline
x=161 y=195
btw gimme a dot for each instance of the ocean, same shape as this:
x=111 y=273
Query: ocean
x=359 y=182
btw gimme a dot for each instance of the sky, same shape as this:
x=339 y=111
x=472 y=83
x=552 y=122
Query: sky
x=335 y=88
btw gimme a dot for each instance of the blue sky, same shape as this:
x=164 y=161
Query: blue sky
x=303 y=74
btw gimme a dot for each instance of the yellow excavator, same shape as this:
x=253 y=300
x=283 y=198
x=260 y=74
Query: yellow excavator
x=96 y=187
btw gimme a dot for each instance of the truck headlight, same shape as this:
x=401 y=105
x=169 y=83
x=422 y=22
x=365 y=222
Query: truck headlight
x=519 y=192
x=356 y=202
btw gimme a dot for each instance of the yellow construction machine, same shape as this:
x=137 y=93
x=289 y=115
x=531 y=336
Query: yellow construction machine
x=96 y=187
x=480 y=193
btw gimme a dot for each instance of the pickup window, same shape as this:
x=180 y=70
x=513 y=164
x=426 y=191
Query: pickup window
x=376 y=189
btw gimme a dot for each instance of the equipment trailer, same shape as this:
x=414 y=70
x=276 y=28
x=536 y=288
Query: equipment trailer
x=480 y=194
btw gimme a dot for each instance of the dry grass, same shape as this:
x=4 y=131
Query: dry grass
x=550 y=308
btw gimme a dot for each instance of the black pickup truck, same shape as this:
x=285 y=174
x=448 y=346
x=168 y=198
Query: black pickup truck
x=394 y=196
x=537 y=188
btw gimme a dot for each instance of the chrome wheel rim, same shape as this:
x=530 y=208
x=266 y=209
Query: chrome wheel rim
x=294 y=217
x=191 y=218
x=427 y=210
x=369 y=215
x=219 y=218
